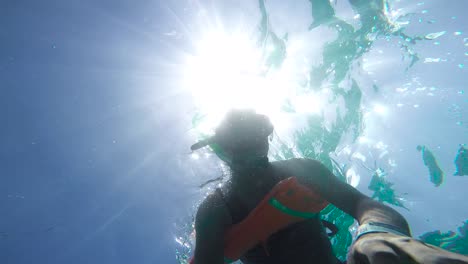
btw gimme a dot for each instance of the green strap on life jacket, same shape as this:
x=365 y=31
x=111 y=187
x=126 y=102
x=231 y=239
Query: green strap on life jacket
x=283 y=208
x=227 y=261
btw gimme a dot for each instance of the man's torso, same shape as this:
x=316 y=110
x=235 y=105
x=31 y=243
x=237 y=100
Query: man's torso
x=303 y=242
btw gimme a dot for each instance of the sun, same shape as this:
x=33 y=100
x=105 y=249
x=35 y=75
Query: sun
x=228 y=70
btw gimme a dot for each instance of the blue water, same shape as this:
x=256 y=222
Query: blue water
x=98 y=109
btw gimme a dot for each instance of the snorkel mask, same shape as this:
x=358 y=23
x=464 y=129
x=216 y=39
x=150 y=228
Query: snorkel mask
x=240 y=139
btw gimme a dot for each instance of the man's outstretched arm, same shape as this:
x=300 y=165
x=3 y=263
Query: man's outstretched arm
x=350 y=200
x=377 y=248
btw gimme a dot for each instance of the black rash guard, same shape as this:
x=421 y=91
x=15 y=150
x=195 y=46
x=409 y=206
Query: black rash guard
x=300 y=243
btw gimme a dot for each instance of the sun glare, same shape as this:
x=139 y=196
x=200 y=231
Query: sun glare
x=228 y=70
x=381 y=110
x=223 y=72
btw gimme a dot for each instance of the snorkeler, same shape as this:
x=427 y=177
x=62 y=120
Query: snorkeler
x=269 y=211
x=435 y=173
x=461 y=162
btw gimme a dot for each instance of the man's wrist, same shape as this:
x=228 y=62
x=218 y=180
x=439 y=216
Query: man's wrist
x=376 y=227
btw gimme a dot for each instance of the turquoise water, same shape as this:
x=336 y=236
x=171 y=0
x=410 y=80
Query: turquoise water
x=374 y=78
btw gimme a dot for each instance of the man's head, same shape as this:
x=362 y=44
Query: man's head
x=241 y=137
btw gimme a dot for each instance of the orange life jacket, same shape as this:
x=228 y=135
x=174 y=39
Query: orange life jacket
x=287 y=203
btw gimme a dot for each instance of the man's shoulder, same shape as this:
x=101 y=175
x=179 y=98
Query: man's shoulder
x=213 y=209
x=213 y=200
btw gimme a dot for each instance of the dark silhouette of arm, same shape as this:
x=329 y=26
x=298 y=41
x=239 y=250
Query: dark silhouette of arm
x=210 y=223
x=348 y=199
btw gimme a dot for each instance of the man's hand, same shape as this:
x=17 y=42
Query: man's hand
x=385 y=248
